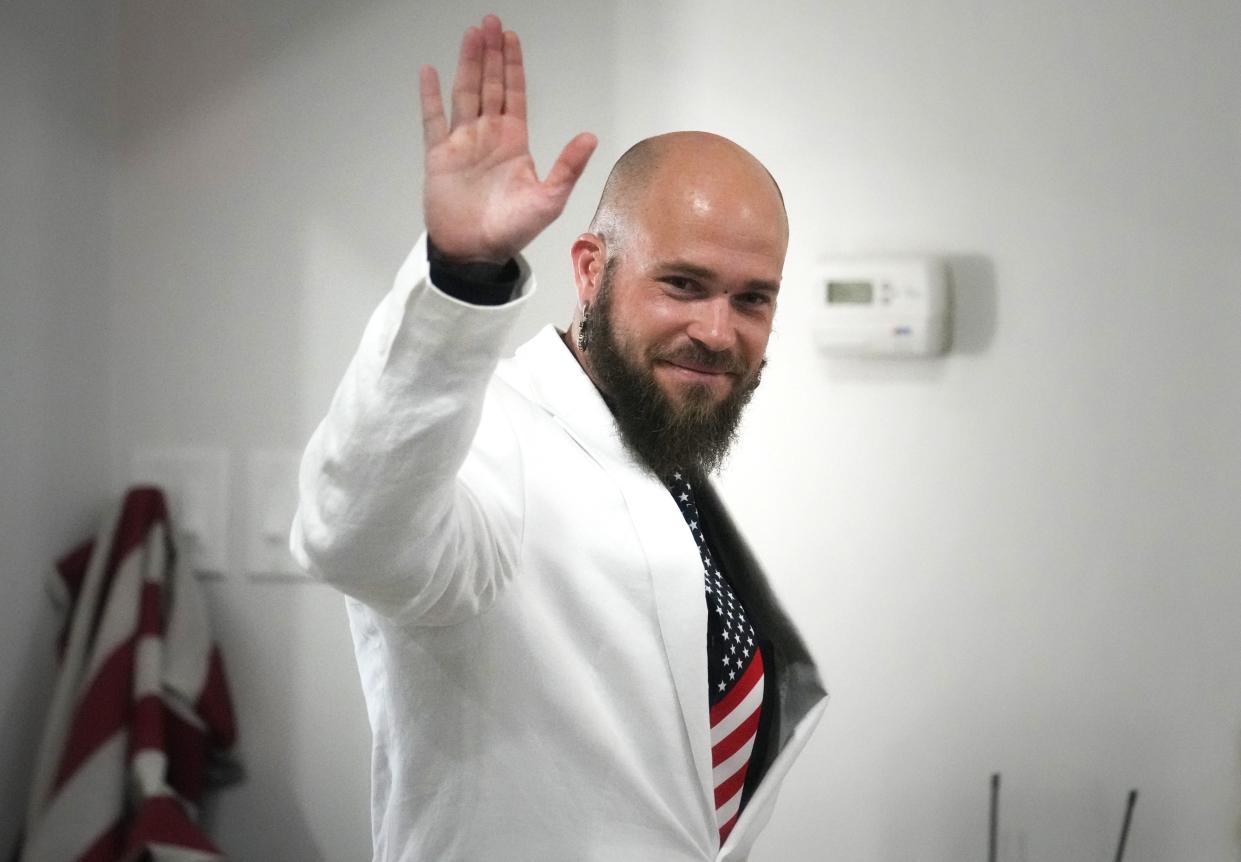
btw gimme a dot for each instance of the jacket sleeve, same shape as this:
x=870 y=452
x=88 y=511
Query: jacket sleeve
x=399 y=505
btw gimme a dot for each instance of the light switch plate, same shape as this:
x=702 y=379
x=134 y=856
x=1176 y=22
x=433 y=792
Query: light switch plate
x=195 y=483
x=271 y=503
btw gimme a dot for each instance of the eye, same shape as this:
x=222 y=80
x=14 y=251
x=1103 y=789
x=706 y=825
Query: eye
x=680 y=284
x=755 y=298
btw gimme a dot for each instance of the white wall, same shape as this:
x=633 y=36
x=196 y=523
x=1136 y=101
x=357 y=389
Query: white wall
x=55 y=114
x=1018 y=558
x=1024 y=557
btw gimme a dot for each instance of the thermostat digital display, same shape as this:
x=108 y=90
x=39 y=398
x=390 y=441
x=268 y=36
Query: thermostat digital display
x=850 y=291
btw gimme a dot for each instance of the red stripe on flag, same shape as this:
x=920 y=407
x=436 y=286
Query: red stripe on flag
x=186 y=747
x=729 y=787
x=151 y=609
x=101 y=713
x=72 y=568
x=752 y=675
x=72 y=571
x=107 y=847
x=216 y=706
x=143 y=509
x=146 y=725
x=161 y=820
x=731 y=744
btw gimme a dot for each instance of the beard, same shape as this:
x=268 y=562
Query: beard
x=693 y=436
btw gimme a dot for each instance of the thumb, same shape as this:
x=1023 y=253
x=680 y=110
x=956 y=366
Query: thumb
x=569 y=166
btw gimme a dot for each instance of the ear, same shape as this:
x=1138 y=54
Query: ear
x=589 y=254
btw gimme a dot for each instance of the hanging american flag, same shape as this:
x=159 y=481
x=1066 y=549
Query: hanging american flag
x=734 y=672
x=141 y=715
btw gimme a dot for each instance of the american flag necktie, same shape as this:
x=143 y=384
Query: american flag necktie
x=734 y=672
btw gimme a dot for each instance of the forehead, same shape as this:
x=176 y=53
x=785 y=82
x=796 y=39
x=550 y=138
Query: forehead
x=732 y=219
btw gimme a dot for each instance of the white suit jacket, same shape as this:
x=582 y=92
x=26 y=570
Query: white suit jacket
x=526 y=602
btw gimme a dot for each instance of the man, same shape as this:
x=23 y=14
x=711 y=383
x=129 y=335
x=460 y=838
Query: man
x=567 y=651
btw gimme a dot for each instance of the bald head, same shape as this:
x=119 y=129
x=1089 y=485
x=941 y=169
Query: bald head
x=694 y=162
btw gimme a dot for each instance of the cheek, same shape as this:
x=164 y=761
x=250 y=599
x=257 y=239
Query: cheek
x=752 y=340
x=659 y=325
x=662 y=313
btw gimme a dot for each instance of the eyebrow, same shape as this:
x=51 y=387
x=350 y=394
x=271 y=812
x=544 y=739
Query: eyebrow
x=702 y=272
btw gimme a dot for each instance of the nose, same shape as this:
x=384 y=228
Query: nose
x=713 y=325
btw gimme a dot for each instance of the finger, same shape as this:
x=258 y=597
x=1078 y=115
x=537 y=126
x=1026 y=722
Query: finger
x=434 y=129
x=514 y=77
x=493 y=65
x=569 y=166
x=469 y=78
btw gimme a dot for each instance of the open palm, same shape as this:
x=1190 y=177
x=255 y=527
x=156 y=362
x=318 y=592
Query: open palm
x=482 y=197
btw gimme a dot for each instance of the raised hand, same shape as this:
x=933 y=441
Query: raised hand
x=481 y=197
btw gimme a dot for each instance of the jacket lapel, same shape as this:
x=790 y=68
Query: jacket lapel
x=676 y=581
x=553 y=377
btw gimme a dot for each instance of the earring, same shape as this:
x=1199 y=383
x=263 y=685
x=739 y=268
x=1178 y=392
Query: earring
x=583 y=328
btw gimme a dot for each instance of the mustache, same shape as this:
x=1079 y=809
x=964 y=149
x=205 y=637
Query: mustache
x=693 y=353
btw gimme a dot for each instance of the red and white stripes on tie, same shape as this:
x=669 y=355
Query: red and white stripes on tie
x=734 y=725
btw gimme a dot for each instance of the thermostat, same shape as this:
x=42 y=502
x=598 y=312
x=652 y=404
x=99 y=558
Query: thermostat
x=894 y=306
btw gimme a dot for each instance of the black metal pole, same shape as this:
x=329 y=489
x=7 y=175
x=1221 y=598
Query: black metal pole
x=995 y=816
x=1124 y=830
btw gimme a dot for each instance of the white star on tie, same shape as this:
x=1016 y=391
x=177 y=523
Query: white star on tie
x=721 y=686
x=676 y=476
x=684 y=497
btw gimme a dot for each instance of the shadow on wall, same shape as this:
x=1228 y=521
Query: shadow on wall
x=1237 y=830
x=269 y=815
x=972 y=294
x=32 y=694
x=280 y=819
